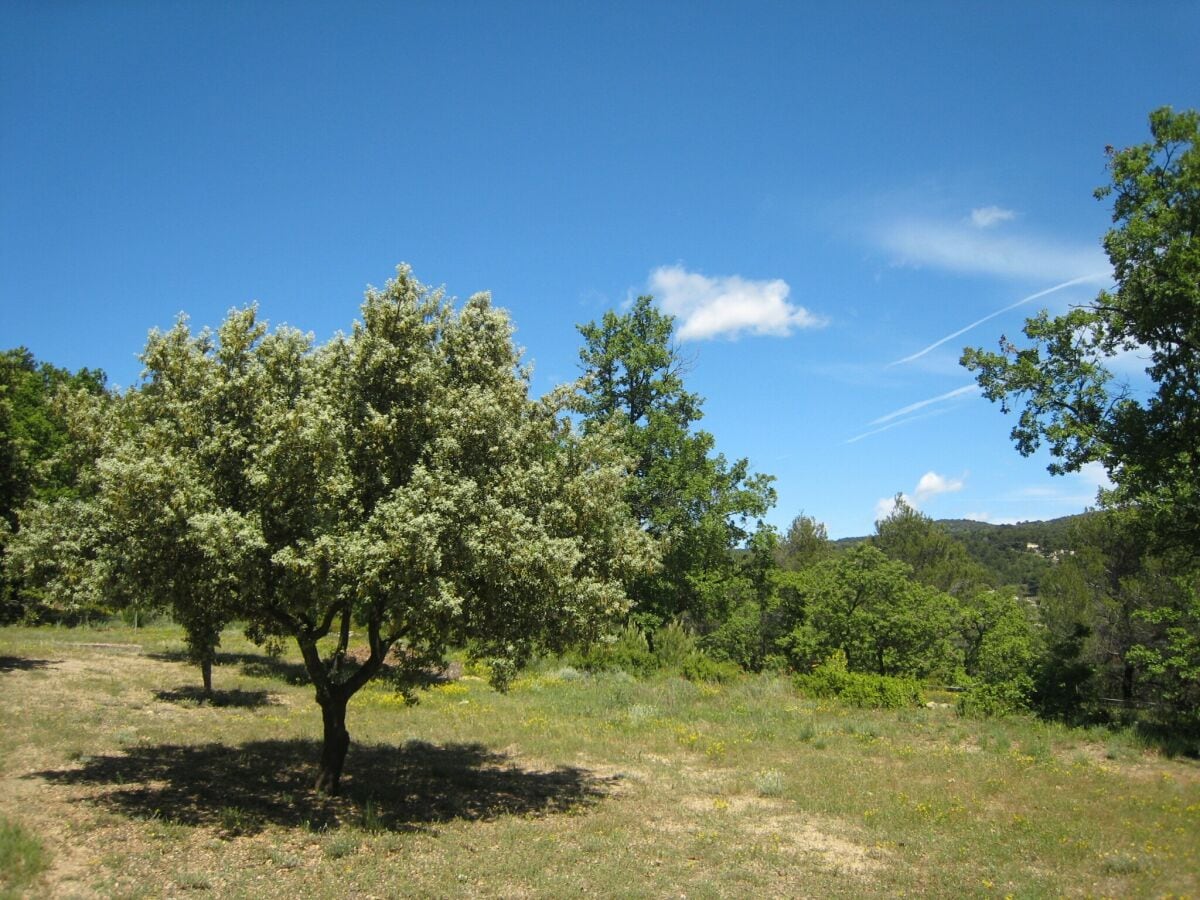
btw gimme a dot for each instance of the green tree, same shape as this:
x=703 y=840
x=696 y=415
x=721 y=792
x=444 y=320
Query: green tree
x=937 y=558
x=869 y=607
x=1121 y=618
x=692 y=501
x=1062 y=382
x=806 y=542
x=993 y=629
x=37 y=460
x=399 y=478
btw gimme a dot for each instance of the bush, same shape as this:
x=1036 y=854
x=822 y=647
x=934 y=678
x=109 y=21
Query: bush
x=627 y=650
x=832 y=679
x=1000 y=699
x=674 y=647
x=675 y=652
x=699 y=667
x=739 y=639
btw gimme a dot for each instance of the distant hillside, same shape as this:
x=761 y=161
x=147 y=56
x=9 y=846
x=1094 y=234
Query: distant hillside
x=1015 y=554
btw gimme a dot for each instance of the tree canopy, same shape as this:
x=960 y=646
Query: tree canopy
x=1063 y=382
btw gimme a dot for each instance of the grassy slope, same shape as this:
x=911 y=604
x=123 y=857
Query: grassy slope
x=566 y=785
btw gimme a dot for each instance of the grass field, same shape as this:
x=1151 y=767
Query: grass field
x=116 y=781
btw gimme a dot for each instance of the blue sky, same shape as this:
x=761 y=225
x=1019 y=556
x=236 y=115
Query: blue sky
x=819 y=191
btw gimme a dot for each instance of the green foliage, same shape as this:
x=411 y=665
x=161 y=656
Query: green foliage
x=675 y=652
x=1171 y=660
x=868 y=607
x=692 y=501
x=936 y=558
x=38 y=461
x=806 y=543
x=1061 y=382
x=739 y=639
x=1004 y=551
x=832 y=679
x=626 y=651
x=1122 y=625
x=1002 y=698
x=999 y=635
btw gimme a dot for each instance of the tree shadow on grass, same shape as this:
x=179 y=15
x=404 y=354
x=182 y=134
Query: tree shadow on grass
x=194 y=696
x=24 y=664
x=243 y=789
x=255 y=665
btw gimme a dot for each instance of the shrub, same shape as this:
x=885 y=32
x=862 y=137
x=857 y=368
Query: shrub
x=833 y=679
x=675 y=651
x=738 y=639
x=674 y=646
x=699 y=667
x=999 y=699
x=628 y=651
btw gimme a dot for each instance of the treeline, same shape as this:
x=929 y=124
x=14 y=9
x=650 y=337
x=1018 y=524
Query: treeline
x=1092 y=626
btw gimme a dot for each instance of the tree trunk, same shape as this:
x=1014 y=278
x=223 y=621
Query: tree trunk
x=206 y=675
x=337 y=742
x=1128 y=673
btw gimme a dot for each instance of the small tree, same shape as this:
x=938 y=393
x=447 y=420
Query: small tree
x=399 y=478
x=937 y=559
x=806 y=543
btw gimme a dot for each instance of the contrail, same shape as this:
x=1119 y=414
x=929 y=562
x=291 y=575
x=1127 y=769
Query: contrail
x=913 y=407
x=999 y=312
x=896 y=424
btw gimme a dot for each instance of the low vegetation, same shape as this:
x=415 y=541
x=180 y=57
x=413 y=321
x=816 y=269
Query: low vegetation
x=571 y=782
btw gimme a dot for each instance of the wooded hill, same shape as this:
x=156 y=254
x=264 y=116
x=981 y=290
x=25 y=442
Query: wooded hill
x=1016 y=554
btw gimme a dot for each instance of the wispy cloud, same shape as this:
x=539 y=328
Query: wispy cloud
x=921 y=404
x=896 y=424
x=971 y=249
x=1094 y=278
x=904 y=415
x=728 y=305
x=987 y=216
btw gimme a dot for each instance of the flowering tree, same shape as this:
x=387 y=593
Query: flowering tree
x=398 y=478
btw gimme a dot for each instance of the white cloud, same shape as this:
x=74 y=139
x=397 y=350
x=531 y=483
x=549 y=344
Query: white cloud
x=961 y=248
x=1094 y=476
x=989 y=518
x=930 y=485
x=727 y=305
x=987 y=216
